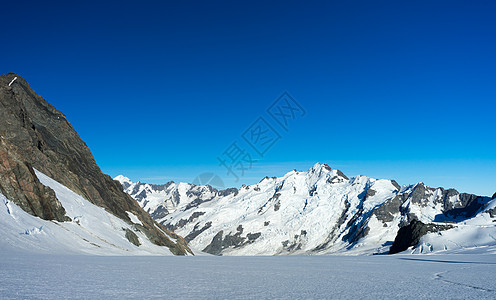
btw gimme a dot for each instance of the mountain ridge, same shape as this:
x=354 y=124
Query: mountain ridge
x=317 y=211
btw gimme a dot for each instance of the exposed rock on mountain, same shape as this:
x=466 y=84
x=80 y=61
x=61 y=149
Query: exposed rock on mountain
x=34 y=135
x=410 y=235
x=317 y=211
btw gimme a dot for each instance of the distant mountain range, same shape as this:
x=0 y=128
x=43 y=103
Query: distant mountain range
x=319 y=211
x=54 y=195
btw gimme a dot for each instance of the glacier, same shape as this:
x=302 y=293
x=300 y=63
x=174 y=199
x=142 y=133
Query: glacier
x=450 y=276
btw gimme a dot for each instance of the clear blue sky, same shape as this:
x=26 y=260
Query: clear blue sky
x=158 y=90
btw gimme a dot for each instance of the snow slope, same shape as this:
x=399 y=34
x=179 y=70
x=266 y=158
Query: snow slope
x=91 y=231
x=280 y=277
x=477 y=234
x=318 y=211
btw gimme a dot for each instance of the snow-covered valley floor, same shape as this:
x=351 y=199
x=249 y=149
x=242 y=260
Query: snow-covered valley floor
x=454 y=276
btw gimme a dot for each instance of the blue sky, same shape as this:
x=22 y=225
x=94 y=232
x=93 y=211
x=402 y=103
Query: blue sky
x=159 y=90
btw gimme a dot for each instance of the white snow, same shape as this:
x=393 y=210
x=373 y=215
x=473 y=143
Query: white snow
x=92 y=230
x=28 y=276
x=12 y=81
x=134 y=218
x=123 y=179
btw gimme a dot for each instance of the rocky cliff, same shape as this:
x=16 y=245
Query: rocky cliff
x=36 y=136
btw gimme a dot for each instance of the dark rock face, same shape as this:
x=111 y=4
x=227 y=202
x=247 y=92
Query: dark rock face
x=467 y=207
x=19 y=183
x=370 y=193
x=341 y=174
x=396 y=185
x=132 y=237
x=326 y=166
x=494 y=196
x=215 y=247
x=161 y=187
x=386 y=212
x=420 y=193
x=197 y=231
x=221 y=242
x=183 y=222
x=160 y=212
x=33 y=134
x=410 y=235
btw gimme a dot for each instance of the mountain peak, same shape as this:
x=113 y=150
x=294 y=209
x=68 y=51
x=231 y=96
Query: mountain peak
x=9 y=80
x=122 y=179
x=320 y=167
x=34 y=135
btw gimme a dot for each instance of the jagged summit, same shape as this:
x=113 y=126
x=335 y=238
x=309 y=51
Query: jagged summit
x=318 y=211
x=122 y=178
x=162 y=199
x=126 y=182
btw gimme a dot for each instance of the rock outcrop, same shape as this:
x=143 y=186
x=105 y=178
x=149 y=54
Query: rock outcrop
x=410 y=235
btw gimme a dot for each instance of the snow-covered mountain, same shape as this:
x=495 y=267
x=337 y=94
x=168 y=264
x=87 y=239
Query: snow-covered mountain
x=318 y=211
x=160 y=200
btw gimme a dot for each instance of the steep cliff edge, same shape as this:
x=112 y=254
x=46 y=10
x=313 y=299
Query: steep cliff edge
x=35 y=135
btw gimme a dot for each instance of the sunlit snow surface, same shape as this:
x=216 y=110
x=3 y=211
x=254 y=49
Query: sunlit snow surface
x=465 y=276
x=92 y=229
